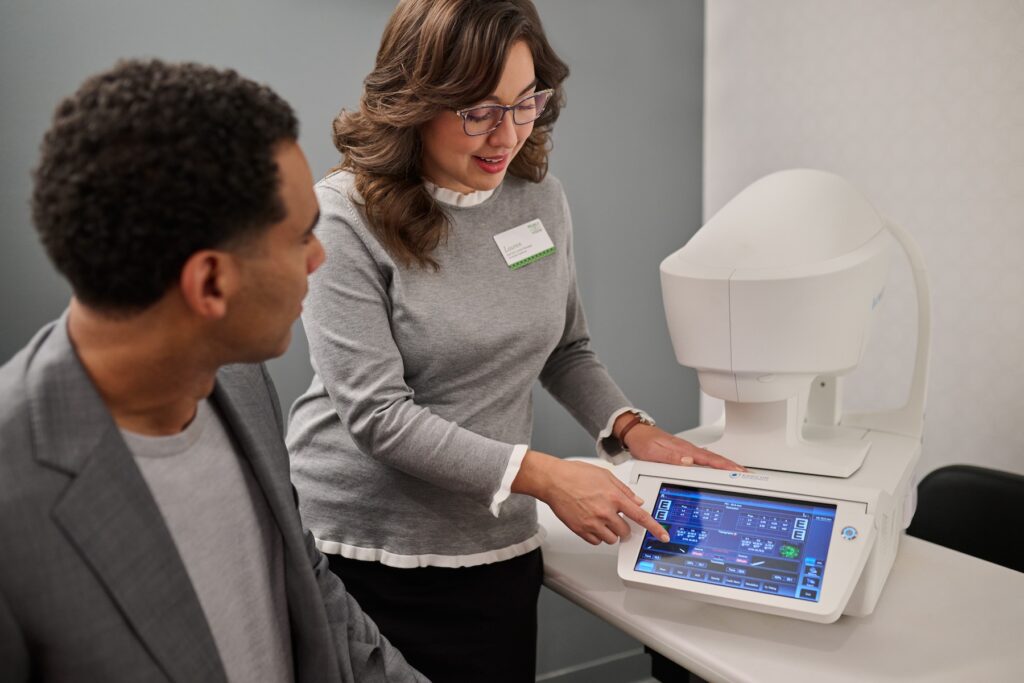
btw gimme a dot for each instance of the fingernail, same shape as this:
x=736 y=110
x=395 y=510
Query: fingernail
x=685 y=460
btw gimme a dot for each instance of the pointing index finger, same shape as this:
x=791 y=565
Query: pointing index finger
x=644 y=519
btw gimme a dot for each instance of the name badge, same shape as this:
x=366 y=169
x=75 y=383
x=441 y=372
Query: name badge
x=524 y=244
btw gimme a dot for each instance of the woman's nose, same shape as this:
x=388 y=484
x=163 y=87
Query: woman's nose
x=505 y=136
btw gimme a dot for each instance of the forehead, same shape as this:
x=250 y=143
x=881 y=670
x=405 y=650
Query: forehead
x=517 y=74
x=295 y=186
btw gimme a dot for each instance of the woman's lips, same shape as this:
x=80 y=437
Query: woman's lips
x=494 y=164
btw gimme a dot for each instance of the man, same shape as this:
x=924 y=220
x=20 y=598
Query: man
x=148 y=529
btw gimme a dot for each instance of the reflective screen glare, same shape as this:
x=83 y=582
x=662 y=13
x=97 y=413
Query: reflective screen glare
x=768 y=545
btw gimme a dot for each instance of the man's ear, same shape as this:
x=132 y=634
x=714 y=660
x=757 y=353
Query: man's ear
x=208 y=280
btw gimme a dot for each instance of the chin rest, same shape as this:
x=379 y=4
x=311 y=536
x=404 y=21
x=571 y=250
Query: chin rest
x=973 y=510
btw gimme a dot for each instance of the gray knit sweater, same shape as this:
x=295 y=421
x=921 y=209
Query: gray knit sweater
x=408 y=432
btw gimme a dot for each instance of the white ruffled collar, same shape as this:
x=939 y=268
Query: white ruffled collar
x=453 y=198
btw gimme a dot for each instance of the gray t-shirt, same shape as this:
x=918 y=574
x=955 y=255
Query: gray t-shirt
x=228 y=541
x=423 y=381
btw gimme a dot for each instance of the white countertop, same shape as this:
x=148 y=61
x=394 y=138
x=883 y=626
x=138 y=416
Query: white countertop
x=943 y=616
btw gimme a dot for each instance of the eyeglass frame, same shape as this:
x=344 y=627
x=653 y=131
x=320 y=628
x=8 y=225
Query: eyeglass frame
x=462 y=113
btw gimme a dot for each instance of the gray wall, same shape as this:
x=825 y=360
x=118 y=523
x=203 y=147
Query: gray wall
x=628 y=150
x=315 y=53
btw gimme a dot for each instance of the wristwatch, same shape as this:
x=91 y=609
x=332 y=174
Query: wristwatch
x=639 y=418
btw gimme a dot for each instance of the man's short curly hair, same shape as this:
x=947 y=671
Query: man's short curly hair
x=148 y=163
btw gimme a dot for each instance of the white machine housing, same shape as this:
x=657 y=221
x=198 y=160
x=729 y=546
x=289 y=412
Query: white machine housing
x=770 y=302
x=774 y=291
x=878 y=501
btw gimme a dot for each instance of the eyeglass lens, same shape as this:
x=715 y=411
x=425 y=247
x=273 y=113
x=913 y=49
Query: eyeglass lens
x=485 y=118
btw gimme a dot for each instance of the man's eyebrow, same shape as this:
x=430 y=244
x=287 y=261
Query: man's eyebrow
x=494 y=98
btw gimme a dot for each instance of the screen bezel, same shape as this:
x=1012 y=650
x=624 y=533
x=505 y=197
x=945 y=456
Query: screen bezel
x=703 y=496
x=846 y=558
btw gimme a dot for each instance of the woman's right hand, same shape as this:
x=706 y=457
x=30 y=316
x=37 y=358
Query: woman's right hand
x=590 y=500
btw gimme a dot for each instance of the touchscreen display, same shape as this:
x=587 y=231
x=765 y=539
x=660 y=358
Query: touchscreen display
x=748 y=542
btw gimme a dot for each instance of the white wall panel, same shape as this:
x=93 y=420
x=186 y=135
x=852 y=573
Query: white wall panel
x=921 y=105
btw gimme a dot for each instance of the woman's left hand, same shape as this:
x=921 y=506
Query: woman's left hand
x=647 y=442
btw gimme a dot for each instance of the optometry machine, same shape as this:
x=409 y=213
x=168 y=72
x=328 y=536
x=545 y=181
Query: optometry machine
x=770 y=302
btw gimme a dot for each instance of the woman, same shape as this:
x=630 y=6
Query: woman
x=448 y=290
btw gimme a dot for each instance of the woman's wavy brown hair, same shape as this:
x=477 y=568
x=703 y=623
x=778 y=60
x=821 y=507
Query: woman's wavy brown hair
x=436 y=55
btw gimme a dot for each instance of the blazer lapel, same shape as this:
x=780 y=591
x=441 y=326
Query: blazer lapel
x=110 y=517
x=244 y=406
x=244 y=399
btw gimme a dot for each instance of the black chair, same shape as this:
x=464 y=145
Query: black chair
x=973 y=510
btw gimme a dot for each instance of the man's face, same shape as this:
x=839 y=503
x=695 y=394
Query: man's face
x=275 y=266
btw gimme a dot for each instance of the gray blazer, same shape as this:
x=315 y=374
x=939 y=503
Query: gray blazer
x=91 y=585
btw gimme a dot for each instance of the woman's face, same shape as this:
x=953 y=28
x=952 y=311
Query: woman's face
x=456 y=161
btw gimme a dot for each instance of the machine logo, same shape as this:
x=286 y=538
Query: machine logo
x=747 y=475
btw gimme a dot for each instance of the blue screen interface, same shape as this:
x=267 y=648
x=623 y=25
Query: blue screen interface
x=748 y=542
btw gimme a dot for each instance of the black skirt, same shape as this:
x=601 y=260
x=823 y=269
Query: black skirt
x=469 y=624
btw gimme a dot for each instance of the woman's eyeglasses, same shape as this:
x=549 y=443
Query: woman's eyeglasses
x=483 y=119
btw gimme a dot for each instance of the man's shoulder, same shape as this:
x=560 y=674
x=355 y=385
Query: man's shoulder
x=25 y=381
x=15 y=419
x=18 y=377
x=15 y=369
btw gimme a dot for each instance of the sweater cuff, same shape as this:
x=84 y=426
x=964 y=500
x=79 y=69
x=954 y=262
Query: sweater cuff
x=511 y=470
x=608 y=447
